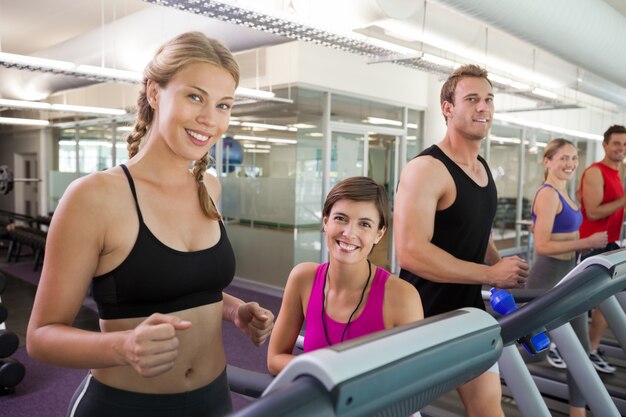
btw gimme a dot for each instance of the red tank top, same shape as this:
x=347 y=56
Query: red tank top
x=613 y=189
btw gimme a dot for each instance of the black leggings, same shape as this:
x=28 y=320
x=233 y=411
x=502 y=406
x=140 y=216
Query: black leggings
x=95 y=399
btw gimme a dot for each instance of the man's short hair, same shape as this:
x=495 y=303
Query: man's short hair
x=611 y=130
x=469 y=70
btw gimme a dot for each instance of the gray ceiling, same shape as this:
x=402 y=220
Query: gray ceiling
x=588 y=34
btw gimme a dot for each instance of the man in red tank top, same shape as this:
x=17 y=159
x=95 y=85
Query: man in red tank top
x=602 y=203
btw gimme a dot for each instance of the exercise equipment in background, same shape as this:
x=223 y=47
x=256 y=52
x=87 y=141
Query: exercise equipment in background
x=7 y=180
x=11 y=370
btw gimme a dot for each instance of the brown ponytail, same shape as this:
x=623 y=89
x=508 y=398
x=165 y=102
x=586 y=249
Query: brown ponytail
x=206 y=202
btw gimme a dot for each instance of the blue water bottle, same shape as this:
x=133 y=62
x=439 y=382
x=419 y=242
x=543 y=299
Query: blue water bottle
x=503 y=303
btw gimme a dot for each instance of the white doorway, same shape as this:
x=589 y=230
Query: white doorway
x=26 y=193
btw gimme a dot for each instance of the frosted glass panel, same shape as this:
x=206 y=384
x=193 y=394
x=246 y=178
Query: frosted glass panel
x=263 y=200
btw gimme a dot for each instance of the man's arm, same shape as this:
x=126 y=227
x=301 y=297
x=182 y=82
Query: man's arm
x=593 y=193
x=492 y=256
x=425 y=187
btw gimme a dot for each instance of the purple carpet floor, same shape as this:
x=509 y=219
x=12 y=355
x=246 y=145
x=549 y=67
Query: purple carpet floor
x=46 y=389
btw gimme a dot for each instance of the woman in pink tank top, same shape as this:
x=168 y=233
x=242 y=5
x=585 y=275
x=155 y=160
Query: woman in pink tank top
x=348 y=296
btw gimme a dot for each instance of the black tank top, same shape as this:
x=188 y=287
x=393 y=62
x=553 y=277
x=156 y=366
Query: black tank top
x=463 y=230
x=156 y=278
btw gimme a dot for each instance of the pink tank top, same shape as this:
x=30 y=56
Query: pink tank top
x=369 y=321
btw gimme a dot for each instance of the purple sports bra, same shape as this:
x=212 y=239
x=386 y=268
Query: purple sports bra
x=567 y=221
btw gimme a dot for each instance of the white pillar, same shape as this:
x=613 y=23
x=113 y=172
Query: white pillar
x=434 y=123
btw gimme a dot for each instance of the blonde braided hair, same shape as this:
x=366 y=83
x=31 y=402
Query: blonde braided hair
x=171 y=57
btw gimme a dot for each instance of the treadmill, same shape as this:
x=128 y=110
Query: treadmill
x=328 y=382
x=593 y=282
x=390 y=373
x=612 y=267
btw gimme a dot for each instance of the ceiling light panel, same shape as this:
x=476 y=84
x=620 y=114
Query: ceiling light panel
x=37 y=105
x=23 y=122
x=288 y=26
x=102 y=74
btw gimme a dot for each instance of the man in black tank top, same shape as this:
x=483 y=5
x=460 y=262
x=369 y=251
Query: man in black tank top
x=444 y=211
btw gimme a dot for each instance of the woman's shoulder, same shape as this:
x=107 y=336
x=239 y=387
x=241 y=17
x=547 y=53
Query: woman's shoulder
x=97 y=191
x=398 y=286
x=213 y=186
x=301 y=277
x=304 y=272
x=546 y=190
x=91 y=201
x=402 y=301
x=97 y=186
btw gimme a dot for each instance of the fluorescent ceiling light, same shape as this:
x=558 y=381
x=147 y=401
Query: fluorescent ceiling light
x=548 y=128
x=68 y=68
x=280 y=140
x=256 y=150
x=124 y=128
x=502 y=140
x=498 y=79
x=269 y=126
x=438 y=61
x=37 y=105
x=23 y=122
x=520 y=86
x=545 y=93
x=102 y=73
x=35 y=62
x=246 y=137
x=409 y=33
x=249 y=92
x=109 y=72
x=88 y=109
x=265 y=139
x=381 y=121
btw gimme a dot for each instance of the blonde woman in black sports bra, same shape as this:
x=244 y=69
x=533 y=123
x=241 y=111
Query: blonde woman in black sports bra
x=149 y=238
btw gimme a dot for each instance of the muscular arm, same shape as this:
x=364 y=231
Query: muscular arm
x=593 y=193
x=425 y=187
x=492 y=256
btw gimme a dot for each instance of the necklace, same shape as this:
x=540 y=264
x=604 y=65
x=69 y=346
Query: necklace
x=343 y=334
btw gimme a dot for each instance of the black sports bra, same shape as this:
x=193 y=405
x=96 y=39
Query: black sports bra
x=156 y=278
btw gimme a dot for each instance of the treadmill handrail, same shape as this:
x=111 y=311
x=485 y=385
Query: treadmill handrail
x=586 y=286
x=304 y=396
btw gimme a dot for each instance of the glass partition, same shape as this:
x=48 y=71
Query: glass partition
x=82 y=148
x=516 y=161
x=271 y=168
x=504 y=161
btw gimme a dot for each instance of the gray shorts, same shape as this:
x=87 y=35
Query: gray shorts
x=545 y=274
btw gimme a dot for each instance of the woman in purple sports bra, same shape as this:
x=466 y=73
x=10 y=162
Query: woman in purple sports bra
x=348 y=296
x=556 y=219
